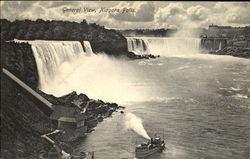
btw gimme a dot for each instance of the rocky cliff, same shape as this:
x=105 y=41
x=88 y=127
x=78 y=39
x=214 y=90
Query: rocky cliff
x=213 y=43
x=233 y=51
x=22 y=123
x=227 y=40
x=18 y=58
x=226 y=46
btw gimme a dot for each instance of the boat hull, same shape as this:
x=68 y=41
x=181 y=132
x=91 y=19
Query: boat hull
x=146 y=153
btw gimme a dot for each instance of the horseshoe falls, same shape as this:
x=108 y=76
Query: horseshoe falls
x=170 y=46
x=138 y=46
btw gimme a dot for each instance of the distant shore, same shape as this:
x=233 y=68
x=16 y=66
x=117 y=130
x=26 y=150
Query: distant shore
x=233 y=51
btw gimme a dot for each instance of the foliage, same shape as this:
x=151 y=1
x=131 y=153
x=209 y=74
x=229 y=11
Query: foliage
x=104 y=40
x=148 y=32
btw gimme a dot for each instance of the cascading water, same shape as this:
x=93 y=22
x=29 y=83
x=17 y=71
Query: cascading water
x=51 y=55
x=87 y=47
x=137 y=46
x=65 y=66
x=172 y=46
x=219 y=47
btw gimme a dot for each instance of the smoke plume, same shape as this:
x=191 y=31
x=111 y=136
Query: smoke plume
x=135 y=123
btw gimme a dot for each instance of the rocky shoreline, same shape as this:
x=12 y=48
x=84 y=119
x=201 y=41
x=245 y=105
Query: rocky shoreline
x=23 y=122
x=134 y=56
x=233 y=51
x=95 y=112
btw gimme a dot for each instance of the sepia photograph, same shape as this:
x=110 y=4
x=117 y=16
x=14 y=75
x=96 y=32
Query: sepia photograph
x=125 y=79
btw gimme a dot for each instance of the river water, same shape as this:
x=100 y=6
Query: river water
x=200 y=105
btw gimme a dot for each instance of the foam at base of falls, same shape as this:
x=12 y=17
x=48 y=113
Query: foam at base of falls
x=171 y=46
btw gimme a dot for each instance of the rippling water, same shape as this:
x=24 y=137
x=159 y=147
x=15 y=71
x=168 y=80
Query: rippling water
x=200 y=105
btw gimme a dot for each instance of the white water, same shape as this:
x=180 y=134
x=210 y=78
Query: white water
x=87 y=48
x=63 y=67
x=183 y=94
x=51 y=56
x=219 y=47
x=137 y=46
x=184 y=104
x=172 y=46
x=66 y=66
x=98 y=76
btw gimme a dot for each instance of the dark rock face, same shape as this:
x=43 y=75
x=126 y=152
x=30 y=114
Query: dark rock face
x=226 y=46
x=134 y=56
x=96 y=110
x=233 y=51
x=22 y=123
x=213 y=43
x=64 y=100
x=234 y=41
x=18 y=58
x=119 y=48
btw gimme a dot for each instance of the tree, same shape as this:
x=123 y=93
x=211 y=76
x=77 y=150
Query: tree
x=59 y=33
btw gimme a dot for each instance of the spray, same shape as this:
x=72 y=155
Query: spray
x=135 y=123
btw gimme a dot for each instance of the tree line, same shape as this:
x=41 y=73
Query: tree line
x=54 y=30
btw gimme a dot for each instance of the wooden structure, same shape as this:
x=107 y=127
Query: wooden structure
x=68 y=117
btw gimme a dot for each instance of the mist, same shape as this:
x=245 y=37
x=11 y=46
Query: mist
x=98 y=76
x=169 y=46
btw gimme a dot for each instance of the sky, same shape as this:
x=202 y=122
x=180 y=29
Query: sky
x=132 y=14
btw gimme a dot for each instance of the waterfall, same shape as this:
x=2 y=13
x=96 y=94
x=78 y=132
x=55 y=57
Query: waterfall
x=51 y=55
x=64 y=66
x=87 y=47
x=220 y=46
x=172 y=46
x=137 y=46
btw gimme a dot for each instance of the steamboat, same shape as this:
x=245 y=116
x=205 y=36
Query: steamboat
x=151 y=147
